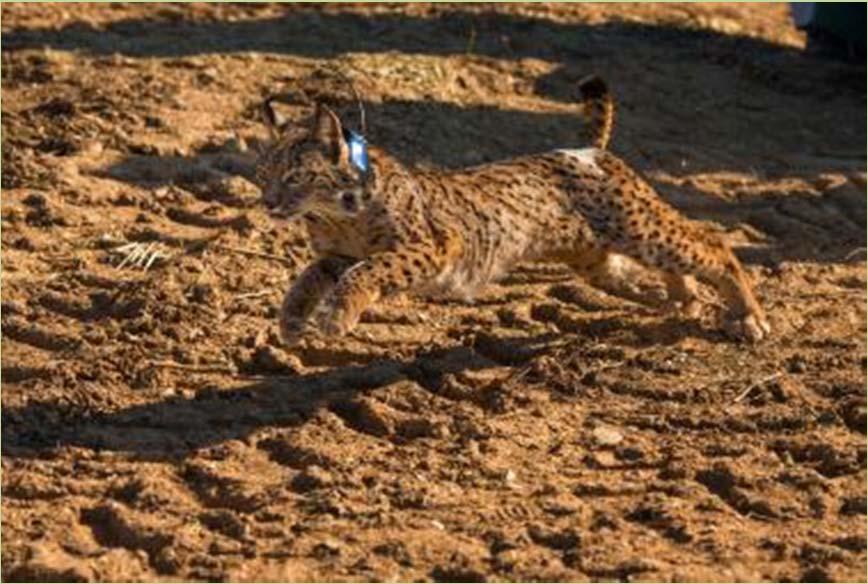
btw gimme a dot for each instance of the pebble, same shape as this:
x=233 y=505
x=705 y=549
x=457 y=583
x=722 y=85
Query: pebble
x=607 y=436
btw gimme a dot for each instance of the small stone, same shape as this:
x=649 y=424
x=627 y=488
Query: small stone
x=607 y=436
x=208 y=76
x=437 y=525
x=604 y=459
x=92 y=147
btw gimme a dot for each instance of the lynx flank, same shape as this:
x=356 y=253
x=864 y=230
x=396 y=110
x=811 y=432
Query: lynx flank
x=379 y=227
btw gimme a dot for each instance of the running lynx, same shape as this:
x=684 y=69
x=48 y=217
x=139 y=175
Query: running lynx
x=380 y=227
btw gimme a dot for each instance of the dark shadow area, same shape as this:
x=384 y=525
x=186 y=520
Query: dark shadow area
x=171 y=429
x=781 y=69
x=311 y=32
x=799 y=225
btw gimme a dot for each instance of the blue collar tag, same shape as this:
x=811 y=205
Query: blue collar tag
x=358 y=150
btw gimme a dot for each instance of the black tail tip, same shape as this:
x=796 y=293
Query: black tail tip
x=593 y=87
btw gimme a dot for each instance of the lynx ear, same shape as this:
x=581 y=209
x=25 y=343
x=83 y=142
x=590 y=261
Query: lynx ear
x=273 y=120
x=327 y=130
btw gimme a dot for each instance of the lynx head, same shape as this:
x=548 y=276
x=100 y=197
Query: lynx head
x=317 y=170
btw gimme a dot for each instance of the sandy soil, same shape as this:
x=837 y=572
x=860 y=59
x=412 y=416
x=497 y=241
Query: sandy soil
x=155 y=429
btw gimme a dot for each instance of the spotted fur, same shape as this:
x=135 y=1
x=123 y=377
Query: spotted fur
x=398 y=228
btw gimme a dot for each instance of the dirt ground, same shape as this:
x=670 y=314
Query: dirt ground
x=154 y=428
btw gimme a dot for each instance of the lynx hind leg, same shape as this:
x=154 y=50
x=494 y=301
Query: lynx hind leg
x=639 y=224
x=315 y=282
x=682 y=293
x=745 y=317
x=694 y=253
x=616 y=274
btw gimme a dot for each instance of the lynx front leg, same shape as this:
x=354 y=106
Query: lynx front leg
x=317 y=280
x=380 y=275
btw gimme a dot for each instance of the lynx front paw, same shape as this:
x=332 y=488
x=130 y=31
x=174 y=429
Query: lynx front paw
x=338 y=318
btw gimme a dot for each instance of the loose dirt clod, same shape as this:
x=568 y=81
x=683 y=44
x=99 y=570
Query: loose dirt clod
x=606 y=436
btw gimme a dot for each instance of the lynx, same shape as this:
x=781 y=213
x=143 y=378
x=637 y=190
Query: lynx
x=379 y=227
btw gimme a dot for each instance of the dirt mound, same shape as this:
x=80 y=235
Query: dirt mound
x=155 y=428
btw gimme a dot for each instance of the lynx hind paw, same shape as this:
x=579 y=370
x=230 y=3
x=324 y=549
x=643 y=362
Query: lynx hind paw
x=752 y=328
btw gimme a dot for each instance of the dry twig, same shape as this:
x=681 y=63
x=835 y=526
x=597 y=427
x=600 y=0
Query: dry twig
x=756 y=385
x=207 y=368
x=143 y=255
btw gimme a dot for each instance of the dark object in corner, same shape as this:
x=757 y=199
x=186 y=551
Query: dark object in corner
x=835 y=30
